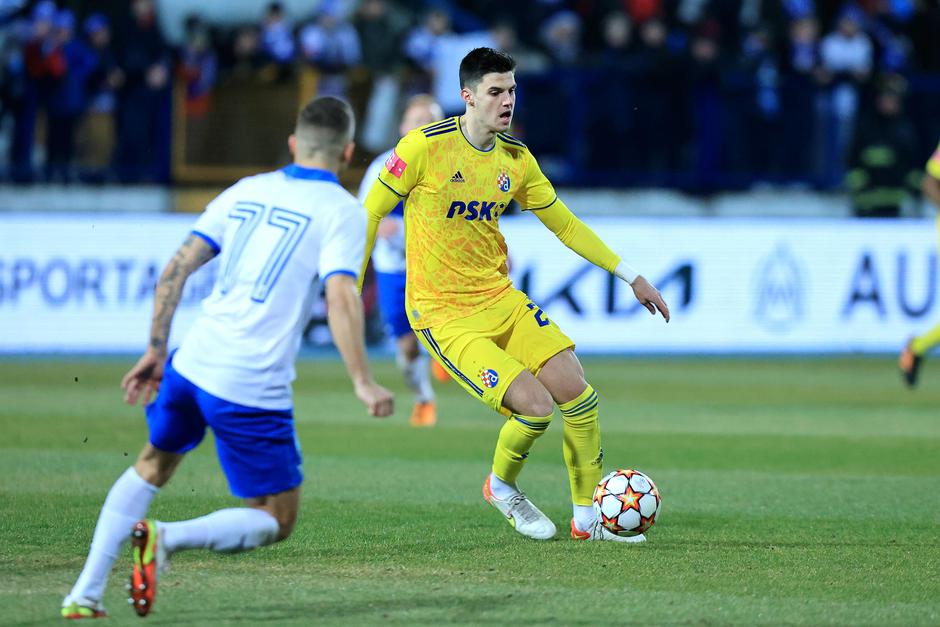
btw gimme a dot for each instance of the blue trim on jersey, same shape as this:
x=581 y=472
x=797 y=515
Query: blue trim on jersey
x=211 y=242
x=443 y=132
x=295 y=171
x=437 y=125
x=540 y=208
x=509 y=139
x=354 y=275
x=390 y=188
x=471 y=143
x=437 y=350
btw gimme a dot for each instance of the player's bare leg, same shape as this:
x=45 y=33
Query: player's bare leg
x=532 y=409
x=127 y=502
x=563 y=377
x=413 y=364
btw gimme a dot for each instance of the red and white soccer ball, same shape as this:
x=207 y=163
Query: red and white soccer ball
x=626 y=501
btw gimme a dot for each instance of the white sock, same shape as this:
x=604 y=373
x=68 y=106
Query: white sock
x=584 y=516
x=226 y=531
x=501 y=489
x=127 y=502
x=417 y=375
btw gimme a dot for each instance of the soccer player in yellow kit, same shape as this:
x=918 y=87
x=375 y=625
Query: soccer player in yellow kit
x=457 y=177
x=913 y=354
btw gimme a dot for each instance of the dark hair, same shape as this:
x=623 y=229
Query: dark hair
x=482 y=61
x=326 y=124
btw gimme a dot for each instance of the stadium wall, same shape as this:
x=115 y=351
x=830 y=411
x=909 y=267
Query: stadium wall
x=84 y=282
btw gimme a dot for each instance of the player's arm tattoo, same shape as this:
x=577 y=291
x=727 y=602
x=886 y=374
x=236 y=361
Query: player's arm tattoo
x=190 y=257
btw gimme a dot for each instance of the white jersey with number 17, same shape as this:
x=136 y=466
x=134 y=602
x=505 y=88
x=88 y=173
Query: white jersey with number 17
x=275 y=234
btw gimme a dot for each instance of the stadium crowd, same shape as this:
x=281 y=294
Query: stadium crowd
x=696 y=94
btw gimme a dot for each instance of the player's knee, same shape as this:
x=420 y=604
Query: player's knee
x=539 y=403
x=528 y=397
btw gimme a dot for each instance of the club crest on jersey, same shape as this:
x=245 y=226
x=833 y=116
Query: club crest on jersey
x=502 y=182
x=489 y=377
x=395 y=165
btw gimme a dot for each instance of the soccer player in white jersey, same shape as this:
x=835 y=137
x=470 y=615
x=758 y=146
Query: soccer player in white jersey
x=276 y=233
x=388 y=260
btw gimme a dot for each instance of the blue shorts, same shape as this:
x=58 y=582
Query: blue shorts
x=391 y=286
x=257 y=448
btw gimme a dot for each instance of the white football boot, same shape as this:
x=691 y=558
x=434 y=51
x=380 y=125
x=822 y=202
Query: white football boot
x=524 y=517
x=600 y=532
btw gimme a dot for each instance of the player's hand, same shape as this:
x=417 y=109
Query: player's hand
x=143 y=380
x=379 y=401
x=650 y=297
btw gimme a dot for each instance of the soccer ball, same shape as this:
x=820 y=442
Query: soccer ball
x=626 y=502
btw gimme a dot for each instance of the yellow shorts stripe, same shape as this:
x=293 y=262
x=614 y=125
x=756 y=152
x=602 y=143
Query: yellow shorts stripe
x=449 y=363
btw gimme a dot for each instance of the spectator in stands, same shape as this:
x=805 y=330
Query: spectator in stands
x=17 y=95
x=244 y=57
x=143 y=99
x=798 y=99
x=96 y=138
x=846 y=63
x=277 y=37
x=67 y=97
x=640 y=11
x=661 y=87
x=198 y=68
x=527 y=59
x=885 y=170
x=707 y=104
x=616 y=39
x=380 y=31
x=561 y=37
x=39 y=68
x=435 y=50
x=331 y=45
x=757 y=150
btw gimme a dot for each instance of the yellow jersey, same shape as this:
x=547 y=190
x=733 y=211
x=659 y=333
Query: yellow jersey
x=455 y=194
x=933 y=165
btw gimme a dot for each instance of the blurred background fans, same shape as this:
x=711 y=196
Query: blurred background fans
x=697 y=95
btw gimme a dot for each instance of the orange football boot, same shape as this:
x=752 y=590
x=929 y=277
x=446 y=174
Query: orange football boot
x=424 y=415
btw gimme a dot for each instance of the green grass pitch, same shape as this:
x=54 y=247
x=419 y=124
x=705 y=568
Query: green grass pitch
x=798 y=491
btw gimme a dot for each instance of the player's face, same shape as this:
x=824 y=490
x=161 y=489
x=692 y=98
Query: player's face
x=494 y=99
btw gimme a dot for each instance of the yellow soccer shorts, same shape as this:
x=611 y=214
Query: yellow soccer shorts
x=486 y=351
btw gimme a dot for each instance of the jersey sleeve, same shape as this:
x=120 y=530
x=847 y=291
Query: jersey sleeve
x=403 y=169
x=343 y=243
x=933 y=165
x=577 y=236
x=210 y=226
x=536 y=192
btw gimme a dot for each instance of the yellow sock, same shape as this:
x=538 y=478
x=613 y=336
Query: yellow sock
x=515 y=439
x=923 y=343
x=582 y=448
